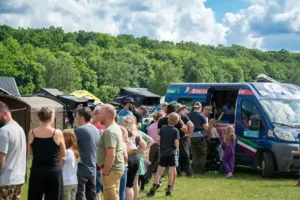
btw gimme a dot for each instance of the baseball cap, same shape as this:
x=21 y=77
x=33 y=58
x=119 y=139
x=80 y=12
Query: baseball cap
x=173 y=103
x=178 y=106
x=185 y=107
x=128 y=100
x=197 y=105
x=208 y=108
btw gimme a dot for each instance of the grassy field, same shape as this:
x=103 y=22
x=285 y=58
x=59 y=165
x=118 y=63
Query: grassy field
x=247 y=184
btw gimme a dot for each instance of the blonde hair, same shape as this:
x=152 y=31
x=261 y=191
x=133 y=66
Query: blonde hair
x=131 y=124
x=71 y=142
x=157 y=116
x=124 y=133
x=229 y=135
x=173 y=118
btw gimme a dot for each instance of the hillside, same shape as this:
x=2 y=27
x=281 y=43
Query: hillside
x=101 y=63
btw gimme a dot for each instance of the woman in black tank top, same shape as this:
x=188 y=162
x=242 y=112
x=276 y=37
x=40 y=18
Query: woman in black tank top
x=46 y=172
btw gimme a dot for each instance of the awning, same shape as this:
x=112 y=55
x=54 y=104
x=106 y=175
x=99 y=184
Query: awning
x=86 y=95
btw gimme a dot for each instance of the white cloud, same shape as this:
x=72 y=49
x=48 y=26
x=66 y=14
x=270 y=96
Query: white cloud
x=265 y=23
x=174 y=20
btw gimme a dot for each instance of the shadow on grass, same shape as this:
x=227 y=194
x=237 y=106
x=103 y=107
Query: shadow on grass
x=249 y=174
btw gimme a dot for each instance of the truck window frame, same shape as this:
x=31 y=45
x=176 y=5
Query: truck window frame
x=254 y=111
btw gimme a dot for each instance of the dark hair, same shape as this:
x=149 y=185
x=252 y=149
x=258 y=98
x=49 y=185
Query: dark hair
x=3 y=107
x=45 y=114
x=171 y=108
x=84 y=112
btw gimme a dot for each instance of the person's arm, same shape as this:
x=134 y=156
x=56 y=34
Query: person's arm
x=205 y=122
x=125 y=155
x=59 y=137
x=176 y=142
x=30 y=140
x=149 y=141
x=190 y=127
x=142 y=145
x=64 y=159
x=158 y=137
x=109 y=160
x=220 y=117
x=110 y=142
x=295 y=153
x=4 y=145
x=2 y=160
x=181 y=126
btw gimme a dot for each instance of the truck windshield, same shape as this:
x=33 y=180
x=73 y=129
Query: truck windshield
x=283 y=112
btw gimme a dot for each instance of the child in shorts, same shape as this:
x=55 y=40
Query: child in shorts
x=169 y=143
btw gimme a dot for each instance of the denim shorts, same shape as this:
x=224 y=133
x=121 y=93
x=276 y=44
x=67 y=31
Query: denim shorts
x=99 y=188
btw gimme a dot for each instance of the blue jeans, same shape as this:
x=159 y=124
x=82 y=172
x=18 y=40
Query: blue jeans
x=123 y=184
x=299 y=180
x=99 y=187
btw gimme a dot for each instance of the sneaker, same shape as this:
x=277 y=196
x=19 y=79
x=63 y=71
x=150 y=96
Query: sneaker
x=152 y=191
x=169 y=193
x=298 y=184
x=229 y=175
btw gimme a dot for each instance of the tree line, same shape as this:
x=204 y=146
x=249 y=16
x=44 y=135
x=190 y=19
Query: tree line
x=102 y=63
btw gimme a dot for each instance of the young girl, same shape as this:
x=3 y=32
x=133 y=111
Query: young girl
x=213 y=140
x=228 y=145
x=70 y=163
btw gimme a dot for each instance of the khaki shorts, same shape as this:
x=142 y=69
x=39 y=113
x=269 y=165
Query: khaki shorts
x=11 y=192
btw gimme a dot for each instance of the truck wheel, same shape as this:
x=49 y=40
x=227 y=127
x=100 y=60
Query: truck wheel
x=267 y=165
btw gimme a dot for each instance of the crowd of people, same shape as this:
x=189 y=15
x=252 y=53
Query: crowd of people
x=104 y=154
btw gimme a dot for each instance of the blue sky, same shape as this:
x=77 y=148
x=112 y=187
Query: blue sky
x=221 y=7
x=262 y=24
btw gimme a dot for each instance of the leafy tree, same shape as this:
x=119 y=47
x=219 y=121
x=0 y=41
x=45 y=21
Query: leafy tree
x=107 y=93
x=103 y=64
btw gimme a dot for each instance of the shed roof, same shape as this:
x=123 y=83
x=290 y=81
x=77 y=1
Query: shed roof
x=9 y=85
x=39 y=102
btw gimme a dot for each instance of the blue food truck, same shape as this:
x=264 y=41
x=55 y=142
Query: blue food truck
x=266 y=117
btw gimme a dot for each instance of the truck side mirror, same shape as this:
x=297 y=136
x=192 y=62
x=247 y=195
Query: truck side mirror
x=255 y=122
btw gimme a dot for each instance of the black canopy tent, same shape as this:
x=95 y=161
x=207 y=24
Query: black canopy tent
x=49 y=92
x=141 y=96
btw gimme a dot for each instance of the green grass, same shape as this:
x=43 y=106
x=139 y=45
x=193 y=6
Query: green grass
x=247 y=184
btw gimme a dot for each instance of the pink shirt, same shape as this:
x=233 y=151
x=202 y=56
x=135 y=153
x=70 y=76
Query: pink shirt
x=152 y=131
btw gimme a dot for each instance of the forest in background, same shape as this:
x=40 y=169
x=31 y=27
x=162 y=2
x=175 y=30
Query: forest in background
x=102 y=64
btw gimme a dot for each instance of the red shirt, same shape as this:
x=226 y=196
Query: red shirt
x=99 y=126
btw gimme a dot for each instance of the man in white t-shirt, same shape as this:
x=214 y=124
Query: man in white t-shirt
x=12 y=155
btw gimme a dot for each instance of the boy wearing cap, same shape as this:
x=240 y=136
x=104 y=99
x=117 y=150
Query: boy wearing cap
x=198 y=139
